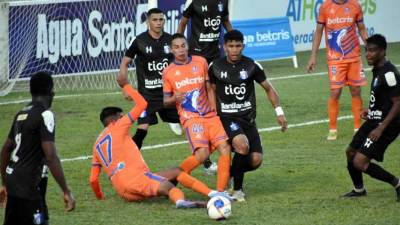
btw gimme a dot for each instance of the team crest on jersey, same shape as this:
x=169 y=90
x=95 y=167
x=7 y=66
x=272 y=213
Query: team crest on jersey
x=143 y=114
x=195 y=69
x=333 y=70
x=244 y=75
x=234 y=126
x=220 y=7
x=166 y=49
x=197 y=128
x=347 y=10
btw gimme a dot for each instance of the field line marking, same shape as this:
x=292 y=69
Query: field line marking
x=261 y=130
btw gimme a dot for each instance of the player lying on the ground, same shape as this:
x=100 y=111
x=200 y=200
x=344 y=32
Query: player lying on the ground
x=118 y=155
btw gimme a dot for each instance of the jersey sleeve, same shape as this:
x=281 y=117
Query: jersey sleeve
x=392 y=80
x=167 y=87
x=132 y=50
x=259 y=74
x=140 y=105
x=188 y=12
x=359 y=14
x=211 y=74
x=322 y=14
x=47 y=126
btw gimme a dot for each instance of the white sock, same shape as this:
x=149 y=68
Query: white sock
x=358 y=190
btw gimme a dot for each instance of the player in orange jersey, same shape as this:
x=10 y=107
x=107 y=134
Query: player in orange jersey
x=186 y=86
x=341 y=19
x=118 y=155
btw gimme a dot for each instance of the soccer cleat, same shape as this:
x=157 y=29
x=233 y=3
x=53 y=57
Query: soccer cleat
x=238 y=196
x=224 y=194
x=398 y=194
x=176 y=128
x=212 y=169
x=332 y=135
x=354 y=193
x=186 y=204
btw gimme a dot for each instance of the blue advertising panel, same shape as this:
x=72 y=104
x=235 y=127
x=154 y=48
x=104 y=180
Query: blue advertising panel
x=173 y=11
x=72 y=37
x=268 y=38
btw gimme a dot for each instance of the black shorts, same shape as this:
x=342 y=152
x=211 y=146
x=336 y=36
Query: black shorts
x=24 y=211
x=374 y=150
x=149 y=116
x=236 y=126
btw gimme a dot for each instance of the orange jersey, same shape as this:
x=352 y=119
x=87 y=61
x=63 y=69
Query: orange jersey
x=340 y=22
x=115 y=151
x=190 y=79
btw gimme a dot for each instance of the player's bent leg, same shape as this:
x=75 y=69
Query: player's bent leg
x=193 y=161
x=240 y=144
x=192 y=183
x=170 y=174
x=355 y=174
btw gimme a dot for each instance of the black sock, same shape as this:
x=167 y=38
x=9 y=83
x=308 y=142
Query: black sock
x=379 y=173
x=207 y=163
x=356 y=176
x=239 y=163
x=139 y=137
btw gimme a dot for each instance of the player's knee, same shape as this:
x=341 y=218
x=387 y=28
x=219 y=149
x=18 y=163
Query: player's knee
x=164 y=188
x=241 y=145
x=202 y=154
x=256 y=160
x=350 y=153
x=360 y=164
x=355 y=91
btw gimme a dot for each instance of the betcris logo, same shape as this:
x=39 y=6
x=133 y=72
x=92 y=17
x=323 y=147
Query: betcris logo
x=339 y=20
x=268 y=36
x=189 y=81
x=213 y=23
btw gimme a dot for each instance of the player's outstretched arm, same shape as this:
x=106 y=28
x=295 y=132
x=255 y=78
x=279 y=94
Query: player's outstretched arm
x=54 y=164
x=275 y=102
x=312 y=63
x=94 y=182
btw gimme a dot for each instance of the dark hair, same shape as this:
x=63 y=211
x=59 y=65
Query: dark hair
x=108 y=111
x=177 y=36
x=233 y=35
x=154 y=11
x=378 y=40
x=41 y=84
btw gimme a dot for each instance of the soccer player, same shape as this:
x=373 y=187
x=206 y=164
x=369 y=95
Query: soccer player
x=118 y=155
x=340 y=19
x=232 y=80
x=187 y=87
x=150 y=50
x=382 y=124
x=206 y=17
x=30 y=145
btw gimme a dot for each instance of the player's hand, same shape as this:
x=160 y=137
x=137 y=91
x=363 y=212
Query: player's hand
x=3 y=196
x=282 y=122
x=364 y=114
x=180 y=96
x=376 y=133
x=311 y=64
x=69 y=201
x=126 y=96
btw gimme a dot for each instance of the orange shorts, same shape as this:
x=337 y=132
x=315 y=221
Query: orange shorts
x=144 y=186
x=350 y=73
x=205 y=133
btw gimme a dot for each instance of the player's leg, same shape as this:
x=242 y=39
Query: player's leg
x=337 y=78
x=240 y=145
x=356 y=79
x=141 y=133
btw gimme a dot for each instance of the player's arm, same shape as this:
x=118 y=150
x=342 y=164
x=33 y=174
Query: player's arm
x=312 y=63
x=375 y=134
x=227 y=24
x=5 y=157
x=273 y=97
x=211 y=92
x=182 y=24
x=94 y=178
x=123 y=70
x=140 y=102
x=54 y=164
x=362 y=30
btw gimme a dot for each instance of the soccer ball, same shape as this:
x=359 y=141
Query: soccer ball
x=219 y=208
